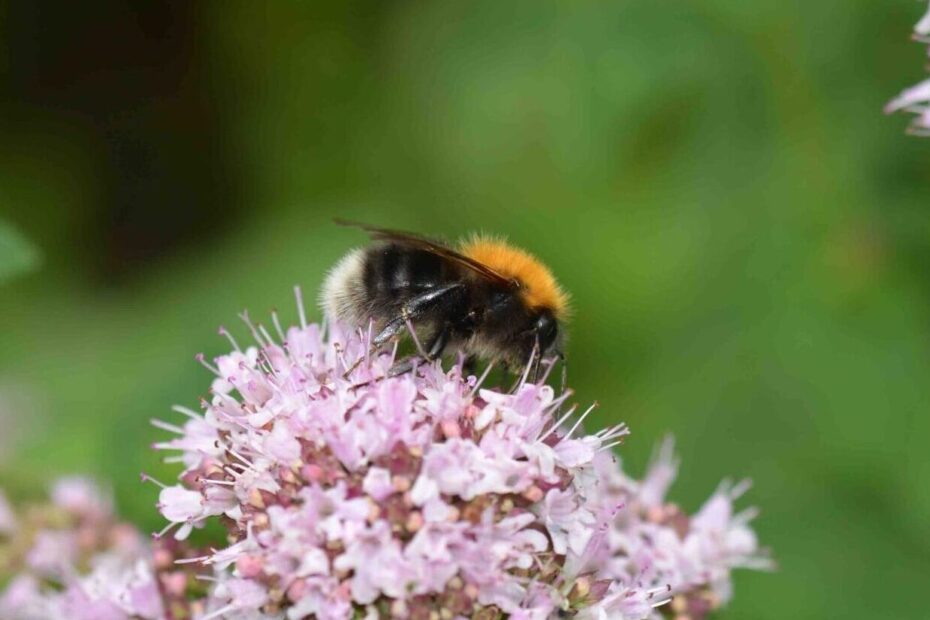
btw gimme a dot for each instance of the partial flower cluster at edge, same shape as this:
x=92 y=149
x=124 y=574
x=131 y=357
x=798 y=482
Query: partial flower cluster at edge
x=69 y=557
x=916 y=99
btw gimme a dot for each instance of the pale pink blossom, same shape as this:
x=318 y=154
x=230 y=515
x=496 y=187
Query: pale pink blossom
x=81 y=496
x=242 y=598
x=82 y=564
x=181 y=505
x=916 y=99
x=569 y=522
x=355 y=489
x=52 y=552
x=651 y=542
x=923 y=26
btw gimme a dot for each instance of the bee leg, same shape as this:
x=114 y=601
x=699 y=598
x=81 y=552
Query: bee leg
x=414 y=309
x=403 y=366
x=469 y=366
x=535 y=362
x=537 y=365
x=438 y=343
x=435 y=348
x=390 y=330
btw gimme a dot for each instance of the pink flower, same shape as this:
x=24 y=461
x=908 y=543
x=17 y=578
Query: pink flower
x=53 y=551
x=912 y=98
x=570 y=524
x=82 y=497
x=82 y=564
x=377 y=563
x=180 y=505
x=76 y=603
x=661 y=473
x=196 y=440
x=240 y=595
x=345 y=488
x=22 y=599
x=916 y=99
x=653 y=543
x=377 y=483
x=923 y=26
x=622 y=602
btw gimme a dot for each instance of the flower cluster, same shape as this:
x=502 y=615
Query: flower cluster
x=655 y=541
x=916 y=99
x=349 y=493
x=70 y=558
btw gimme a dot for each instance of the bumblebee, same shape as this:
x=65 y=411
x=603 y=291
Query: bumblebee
x=484 y=298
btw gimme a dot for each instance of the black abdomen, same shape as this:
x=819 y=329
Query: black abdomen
x=396 y=273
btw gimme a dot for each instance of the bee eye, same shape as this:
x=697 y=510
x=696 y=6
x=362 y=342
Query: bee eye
x=547 y=328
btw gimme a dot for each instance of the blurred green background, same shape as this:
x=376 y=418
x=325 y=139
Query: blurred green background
x=745 y=235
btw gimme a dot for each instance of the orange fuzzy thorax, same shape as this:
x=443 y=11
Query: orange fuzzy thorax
x=539 y=287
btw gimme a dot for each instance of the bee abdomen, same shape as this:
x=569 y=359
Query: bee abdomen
x=344 y=294
x=395 y=273
x=375 y=282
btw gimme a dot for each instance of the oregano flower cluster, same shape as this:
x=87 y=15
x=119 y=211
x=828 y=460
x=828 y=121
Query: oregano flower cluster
x=348 y=493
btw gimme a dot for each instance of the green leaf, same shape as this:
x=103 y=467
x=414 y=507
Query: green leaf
x=17 y=254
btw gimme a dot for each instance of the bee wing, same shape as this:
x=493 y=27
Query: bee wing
x=417 y=241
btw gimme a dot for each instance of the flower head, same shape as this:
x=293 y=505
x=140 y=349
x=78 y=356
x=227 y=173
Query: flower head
x=916 y=99
x=347 y=491
x=654 y=542
x=72 y=559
